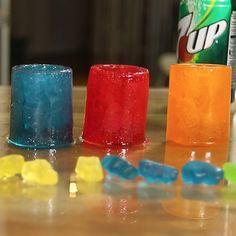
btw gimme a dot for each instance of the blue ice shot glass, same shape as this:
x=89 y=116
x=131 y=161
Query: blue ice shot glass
x=41 y=106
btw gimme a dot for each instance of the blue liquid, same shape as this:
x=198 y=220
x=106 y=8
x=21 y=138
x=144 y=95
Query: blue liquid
x=41 y=106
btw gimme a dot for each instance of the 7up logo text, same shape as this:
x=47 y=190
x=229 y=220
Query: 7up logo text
x=192 y=41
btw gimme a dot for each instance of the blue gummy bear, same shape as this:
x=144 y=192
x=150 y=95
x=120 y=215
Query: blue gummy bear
x=157 y=172
x=118 y=167
x=199 y=172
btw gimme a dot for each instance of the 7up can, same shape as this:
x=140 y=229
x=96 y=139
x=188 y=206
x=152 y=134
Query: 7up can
x=207 y=33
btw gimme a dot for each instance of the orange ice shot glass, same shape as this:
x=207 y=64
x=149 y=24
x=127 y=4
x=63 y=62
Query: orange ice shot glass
x=199 y=104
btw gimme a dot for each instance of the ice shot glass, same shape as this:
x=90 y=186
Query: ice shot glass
x=41 y=106
x=116 y=105
x=199 y=104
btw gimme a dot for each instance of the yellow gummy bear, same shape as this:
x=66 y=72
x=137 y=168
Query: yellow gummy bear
x=39 y=172
x=89 y=169
x=11 y=165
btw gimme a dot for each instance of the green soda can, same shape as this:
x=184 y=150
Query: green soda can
x=207 y=33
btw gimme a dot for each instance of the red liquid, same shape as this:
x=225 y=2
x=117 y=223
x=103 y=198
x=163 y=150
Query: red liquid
x=116 y=106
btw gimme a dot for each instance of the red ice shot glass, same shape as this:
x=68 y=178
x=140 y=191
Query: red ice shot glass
x=116 y=105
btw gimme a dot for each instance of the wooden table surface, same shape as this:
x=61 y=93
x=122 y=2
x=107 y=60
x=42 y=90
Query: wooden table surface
x=117 y=208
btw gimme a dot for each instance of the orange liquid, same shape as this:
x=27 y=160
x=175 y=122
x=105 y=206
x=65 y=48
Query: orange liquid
x=199 y=104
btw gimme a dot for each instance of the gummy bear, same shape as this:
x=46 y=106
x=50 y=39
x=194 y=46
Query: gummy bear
x=11 y=165
x=118 y=167
x=157 y=172
x=199 y=172
x=89 y=169
x=230 y=172
x=39 y=172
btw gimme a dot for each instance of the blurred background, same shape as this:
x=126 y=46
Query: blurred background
x=79 y=33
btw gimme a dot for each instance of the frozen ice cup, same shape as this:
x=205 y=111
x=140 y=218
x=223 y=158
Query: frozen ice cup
x=199 y=104
x=41 y=106
x=116 y=105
